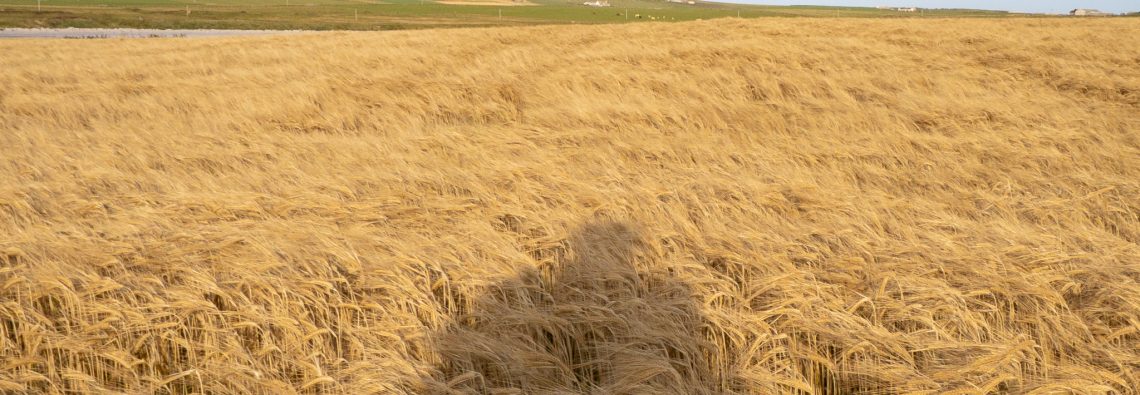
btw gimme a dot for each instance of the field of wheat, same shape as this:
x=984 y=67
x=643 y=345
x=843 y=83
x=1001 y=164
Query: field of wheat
x=765 y=206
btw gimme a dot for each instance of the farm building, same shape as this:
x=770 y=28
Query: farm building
x=597 y=3
x=899 y=9
x=1087 y=12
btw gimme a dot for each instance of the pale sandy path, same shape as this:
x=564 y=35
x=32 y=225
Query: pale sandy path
x=130 y=33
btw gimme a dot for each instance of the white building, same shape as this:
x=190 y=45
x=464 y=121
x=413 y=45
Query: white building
x=597 y=3
x=1087 y=12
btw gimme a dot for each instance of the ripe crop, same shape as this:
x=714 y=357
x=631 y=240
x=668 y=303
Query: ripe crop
x=762 y=206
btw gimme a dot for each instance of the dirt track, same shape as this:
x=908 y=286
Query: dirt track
x=128 y=33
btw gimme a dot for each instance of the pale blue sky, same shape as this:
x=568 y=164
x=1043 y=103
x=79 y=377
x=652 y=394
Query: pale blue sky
x=1053 y=6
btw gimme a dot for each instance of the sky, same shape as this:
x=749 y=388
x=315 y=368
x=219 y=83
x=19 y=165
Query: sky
x=1050 y=6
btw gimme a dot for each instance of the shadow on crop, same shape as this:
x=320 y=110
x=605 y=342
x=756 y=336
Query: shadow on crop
x=594 y=319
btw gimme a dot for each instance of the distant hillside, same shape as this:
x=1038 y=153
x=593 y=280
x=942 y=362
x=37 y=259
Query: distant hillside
x=401 y=14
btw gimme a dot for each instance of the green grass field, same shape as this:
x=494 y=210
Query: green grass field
x=390 y=14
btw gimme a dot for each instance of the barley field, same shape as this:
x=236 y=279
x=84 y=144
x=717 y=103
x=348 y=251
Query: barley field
x=792 y=206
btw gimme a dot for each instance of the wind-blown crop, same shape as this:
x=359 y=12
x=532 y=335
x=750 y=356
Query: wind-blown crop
x=764 y=206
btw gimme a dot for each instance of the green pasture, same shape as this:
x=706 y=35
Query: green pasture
x=391 y=14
